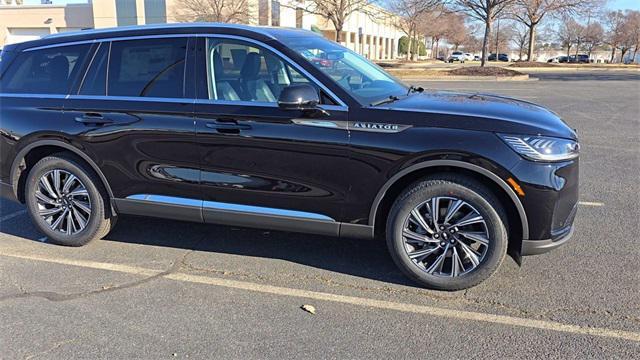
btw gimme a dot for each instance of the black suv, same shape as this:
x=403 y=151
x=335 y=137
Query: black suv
x=239 y=125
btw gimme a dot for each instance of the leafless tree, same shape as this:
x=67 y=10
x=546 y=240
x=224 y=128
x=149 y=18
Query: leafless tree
x=593 y=37
x=520 y=37
x=435 y=25
x=457 y=32
x=568 y=34
x=486 y=11
x=614 y=22
x=411 y=13
x=630 y=33
x=532 y=12
x=225 y=11
x=336 y=11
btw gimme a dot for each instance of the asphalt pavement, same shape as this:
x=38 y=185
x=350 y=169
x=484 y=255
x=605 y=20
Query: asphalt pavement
x=166 y=289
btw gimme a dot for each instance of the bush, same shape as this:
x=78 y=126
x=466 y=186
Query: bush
x=403 y=45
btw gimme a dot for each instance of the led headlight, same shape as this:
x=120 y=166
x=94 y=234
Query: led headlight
x=542 y=148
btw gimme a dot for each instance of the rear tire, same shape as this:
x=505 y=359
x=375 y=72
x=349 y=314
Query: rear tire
x=66 y=201
x=465 y=245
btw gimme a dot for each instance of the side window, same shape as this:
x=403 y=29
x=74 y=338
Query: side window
x=95 y=80
x=150 y=68
x=45 y=71
x=240 y=71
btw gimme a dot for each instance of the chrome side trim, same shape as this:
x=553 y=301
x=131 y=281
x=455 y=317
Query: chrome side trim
x=214 y=205
x=283 y=56
x=173 y=200
x=39 y=96
x=118 y=38
x=265 y=210
x=342 y=125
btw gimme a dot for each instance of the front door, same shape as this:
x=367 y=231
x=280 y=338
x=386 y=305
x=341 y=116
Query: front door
x=261 y=165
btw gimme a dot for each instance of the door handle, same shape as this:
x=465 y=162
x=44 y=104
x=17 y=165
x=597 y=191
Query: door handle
x=227 y=127
x=93 y=119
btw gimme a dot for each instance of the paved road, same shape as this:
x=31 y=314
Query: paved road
x=166 y=289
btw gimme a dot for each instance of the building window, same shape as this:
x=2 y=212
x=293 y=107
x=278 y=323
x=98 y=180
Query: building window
x=155 y=11
x=126 y=12
x=275 y=13
x=299 y=17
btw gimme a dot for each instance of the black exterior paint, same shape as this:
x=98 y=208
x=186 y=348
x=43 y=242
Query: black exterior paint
x=257 y=155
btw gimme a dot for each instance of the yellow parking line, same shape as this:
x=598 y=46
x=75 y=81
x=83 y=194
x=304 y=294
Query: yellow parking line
x=590 y=203
x=351 y=300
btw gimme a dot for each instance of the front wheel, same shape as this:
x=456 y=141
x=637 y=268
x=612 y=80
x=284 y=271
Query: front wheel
x=447 y=232
x=66 y=202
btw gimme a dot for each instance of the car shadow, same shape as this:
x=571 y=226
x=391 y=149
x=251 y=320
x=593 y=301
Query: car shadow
x=356 y=257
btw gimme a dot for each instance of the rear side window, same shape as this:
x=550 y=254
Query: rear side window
x=45 y=71
x=149 y=68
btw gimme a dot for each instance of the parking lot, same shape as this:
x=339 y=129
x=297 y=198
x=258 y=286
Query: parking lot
x=166 y=289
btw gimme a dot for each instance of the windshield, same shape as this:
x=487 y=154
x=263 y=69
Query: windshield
x=360 y=78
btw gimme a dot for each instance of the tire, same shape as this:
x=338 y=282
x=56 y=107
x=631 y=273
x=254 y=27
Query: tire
x=487 y=239
x=85 y=191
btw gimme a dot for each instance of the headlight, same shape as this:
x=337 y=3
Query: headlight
x=542 y=148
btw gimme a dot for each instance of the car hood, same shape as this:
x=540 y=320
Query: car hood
x=484 y=112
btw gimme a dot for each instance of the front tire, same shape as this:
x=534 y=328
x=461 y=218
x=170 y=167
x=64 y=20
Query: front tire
x=456 y=247
x=66 y=202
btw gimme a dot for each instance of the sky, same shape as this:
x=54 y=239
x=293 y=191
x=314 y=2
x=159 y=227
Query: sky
x=613 y=4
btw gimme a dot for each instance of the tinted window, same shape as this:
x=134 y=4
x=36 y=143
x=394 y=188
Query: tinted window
x=240 y=71
x=150 y=67
x=95 y=81
x=46 y=71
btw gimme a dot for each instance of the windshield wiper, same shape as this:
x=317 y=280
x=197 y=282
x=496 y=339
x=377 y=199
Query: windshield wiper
x=386 y=100
x=414 y=89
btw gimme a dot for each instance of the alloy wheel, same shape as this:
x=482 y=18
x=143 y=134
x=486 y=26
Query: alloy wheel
x=445 y=236
x=63 y=201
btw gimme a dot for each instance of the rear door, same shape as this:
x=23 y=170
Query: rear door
x=262 y=165
x=133 y=113
x=32 y=93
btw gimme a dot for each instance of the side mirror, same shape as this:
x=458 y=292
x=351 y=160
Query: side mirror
x=299 y=97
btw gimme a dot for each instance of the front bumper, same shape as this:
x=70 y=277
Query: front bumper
x=537 y=247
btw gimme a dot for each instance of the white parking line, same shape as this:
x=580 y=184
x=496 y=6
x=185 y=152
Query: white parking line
x=590 y=203
x=12 y=215
x=351 y=300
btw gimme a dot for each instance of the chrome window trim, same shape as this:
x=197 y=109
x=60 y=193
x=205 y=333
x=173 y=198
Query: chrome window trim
x=255 y=29
x=130 y=98
x=39 y=96
x=214 y=205
x=284 y=57
x=342 y=106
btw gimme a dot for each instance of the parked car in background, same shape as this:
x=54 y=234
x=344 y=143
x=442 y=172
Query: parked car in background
x=457 y=56
x=580 y=59
x=468 y=56
x=477 y=57
x=501 y=57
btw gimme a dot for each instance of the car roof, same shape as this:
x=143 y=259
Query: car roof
x=258 y=32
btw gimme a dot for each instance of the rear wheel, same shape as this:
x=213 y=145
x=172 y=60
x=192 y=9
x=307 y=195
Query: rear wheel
x=65 y=201
x=447 y=232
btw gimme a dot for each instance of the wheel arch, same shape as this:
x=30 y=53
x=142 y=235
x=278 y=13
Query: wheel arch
x=389 y=191
x=44 y=148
